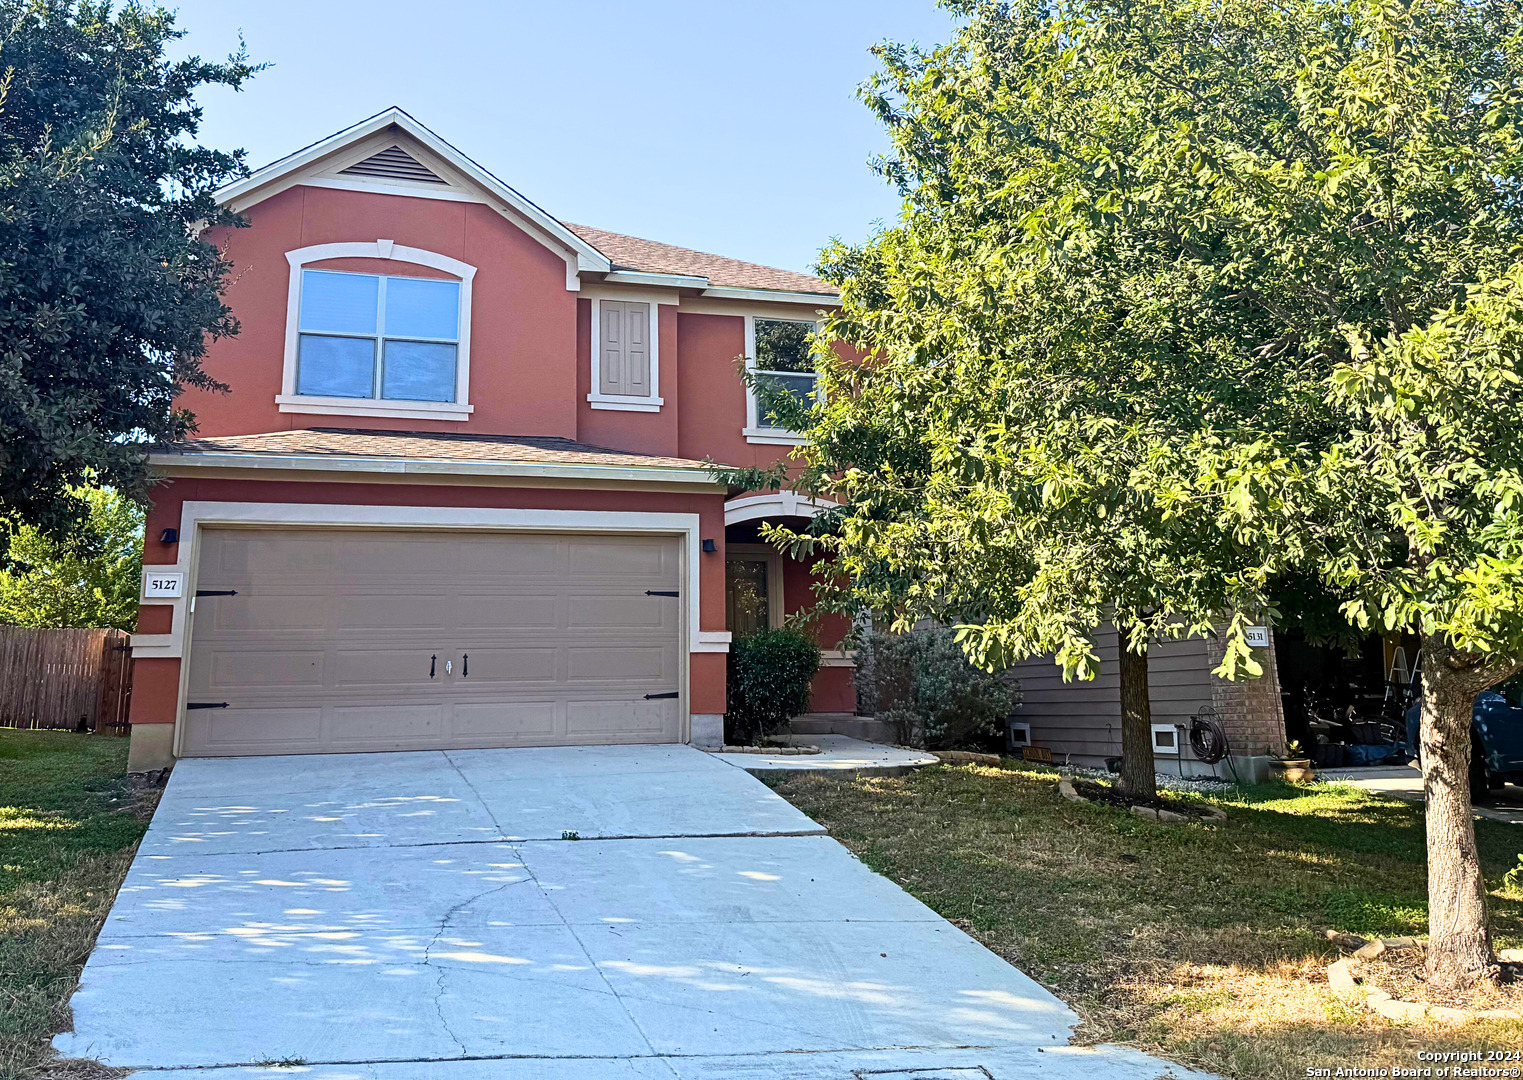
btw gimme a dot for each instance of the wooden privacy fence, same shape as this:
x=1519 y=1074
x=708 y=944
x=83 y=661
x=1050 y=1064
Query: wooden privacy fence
x=64 y=678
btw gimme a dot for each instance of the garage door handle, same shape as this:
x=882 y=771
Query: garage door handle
x=652 y=697
x=661 y=592
x=206 y=704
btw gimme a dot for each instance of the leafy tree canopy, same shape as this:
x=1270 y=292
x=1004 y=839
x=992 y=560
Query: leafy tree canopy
x=1138 y=238
x=1197 y=307
x=89 y=579
x=107 y=297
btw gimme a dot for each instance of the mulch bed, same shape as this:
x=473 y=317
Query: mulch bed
x=1399 y=972
x=1111 y=796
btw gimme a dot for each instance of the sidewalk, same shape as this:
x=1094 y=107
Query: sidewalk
x=1406 y=782
x=841 y=754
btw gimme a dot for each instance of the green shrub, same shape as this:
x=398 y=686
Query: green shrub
x=769 y=676
x=923 y=687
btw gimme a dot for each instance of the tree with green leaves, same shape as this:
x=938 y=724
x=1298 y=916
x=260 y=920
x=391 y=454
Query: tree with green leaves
x=90 y=578
x=1196 y=310
x=107 y=296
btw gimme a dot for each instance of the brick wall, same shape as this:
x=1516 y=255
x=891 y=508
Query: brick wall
x=1251 y=710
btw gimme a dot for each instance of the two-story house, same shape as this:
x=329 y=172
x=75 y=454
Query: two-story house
x=455 y=495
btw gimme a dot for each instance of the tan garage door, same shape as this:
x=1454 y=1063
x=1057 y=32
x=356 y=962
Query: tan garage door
x=324 y=640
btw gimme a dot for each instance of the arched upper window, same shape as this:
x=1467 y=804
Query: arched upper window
x=377 y=344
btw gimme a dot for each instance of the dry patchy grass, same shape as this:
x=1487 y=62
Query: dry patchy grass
x=1200 y=942
x=69 y=824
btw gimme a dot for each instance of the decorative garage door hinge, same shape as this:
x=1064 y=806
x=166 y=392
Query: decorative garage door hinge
x=206 y=704
x=661 y=592
x=651 y=697
x=216 y=592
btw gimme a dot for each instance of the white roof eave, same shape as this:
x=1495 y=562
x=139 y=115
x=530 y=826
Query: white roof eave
x=587 y=256
x=399 y=467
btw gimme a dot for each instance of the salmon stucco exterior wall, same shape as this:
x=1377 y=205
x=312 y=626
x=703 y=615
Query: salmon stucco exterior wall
x=646 y=433
x=833 y=689
x=531 y=429
x=523 y=320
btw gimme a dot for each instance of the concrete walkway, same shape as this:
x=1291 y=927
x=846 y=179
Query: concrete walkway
x=429 y=915
x=1406 y=782
x=841 y=754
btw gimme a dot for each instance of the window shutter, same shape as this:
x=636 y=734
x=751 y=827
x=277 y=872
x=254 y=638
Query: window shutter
x=624 y=363
x=611 y=361
x=637 y=349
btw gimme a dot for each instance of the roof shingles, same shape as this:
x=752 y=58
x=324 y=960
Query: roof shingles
x=632 y=253
x=426 y=446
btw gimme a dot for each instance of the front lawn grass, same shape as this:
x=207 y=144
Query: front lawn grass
x=1200 y=942
x=70 y=821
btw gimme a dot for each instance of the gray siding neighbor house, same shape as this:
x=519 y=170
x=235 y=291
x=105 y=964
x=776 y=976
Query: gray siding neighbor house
x=1080 y=722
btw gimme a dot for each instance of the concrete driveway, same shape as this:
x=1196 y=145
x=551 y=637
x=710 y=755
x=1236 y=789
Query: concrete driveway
x=598 y=913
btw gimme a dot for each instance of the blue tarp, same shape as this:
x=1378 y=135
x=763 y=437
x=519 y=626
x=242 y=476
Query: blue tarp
x=1356 y=754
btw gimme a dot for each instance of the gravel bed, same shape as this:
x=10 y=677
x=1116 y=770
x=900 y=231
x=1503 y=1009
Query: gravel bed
x=1205 y=785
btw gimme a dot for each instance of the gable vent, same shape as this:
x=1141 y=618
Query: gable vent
x=393 y=164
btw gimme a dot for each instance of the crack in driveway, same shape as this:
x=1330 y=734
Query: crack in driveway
x=442 y=971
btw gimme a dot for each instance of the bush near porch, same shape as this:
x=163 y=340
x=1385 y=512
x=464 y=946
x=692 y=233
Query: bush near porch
x=922 y=686
x=1202 y=943
x=768 y=679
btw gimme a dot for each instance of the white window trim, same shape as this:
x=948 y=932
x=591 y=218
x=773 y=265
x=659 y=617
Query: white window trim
x=753 y=431
x=774 y=560
x=626 y=402
x=290 y=401
x=1171 y=751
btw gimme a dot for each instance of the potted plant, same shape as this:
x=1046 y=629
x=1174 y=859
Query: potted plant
x=1293 y=764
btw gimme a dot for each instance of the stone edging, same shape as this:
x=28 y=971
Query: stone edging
x=1343 y=980
x=965 y=757
x=778 y=751
x=781 y=751
x=1068 y=791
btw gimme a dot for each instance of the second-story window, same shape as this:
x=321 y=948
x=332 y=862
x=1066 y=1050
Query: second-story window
x=782 y=358
x=380 y=337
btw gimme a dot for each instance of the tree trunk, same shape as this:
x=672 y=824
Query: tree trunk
x=1459 y=948
x=1137 y=774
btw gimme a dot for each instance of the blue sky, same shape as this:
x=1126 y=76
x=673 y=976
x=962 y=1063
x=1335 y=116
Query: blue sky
x=730 y=126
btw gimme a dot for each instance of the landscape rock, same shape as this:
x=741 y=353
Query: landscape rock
x=1346 y=941
x=965 y=757
x=1340 y=977
x=1149 y=813
x=1370 y=949
x=1343 y=978
x=1399 y=1011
